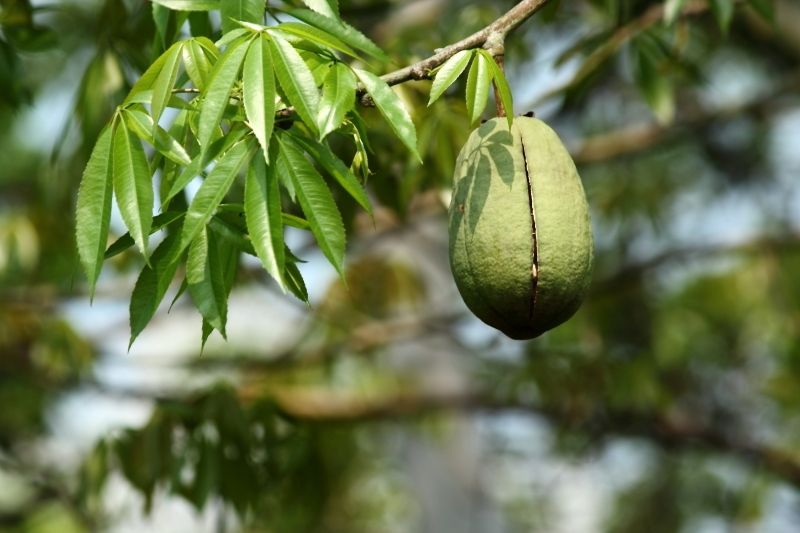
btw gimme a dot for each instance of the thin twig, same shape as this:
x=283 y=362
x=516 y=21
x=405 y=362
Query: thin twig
x=421 y=70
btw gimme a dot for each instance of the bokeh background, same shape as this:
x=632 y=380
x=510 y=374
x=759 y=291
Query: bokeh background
x=669 y=403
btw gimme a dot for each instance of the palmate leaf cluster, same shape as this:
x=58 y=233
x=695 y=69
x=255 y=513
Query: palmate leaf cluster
x=251 y=116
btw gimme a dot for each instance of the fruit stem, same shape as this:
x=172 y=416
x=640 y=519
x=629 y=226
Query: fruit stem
x=501 y=109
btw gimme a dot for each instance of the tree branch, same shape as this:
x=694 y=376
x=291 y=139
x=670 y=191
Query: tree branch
x=672 y=429
x=639 y=137
x=780 y=244
x=493 y=33
x=653 y=15
x=668 y=430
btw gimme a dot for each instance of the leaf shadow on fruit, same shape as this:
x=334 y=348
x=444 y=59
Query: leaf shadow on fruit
x=491 y=156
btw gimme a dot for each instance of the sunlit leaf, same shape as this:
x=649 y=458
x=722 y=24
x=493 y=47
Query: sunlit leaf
x=334 y=166
x=205 y=280
x=143 y=126
x=200 y=161
x=338 y=98
x=315 y=35
x=392 y=109
x=94 y=207
x=478 y=80
x=147 y=79
x=244 y=10
x=316 y=201
x=232 y=36
x=295 y=221
x=262 y=207
x=126 y=241
x=500 y=85
x=341 y=30
x=196 y=63
x=258 y=90
x=295 y=79
x=133 y=185
x=449 y=73
x=215 y=98
x=212 y=191
x=328 y=8
x=164 y=83
x=190 y=5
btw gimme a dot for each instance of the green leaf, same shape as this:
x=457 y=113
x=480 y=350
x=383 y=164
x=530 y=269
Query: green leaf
x=190 y=5
x=212 y=191
x=162 y=87
x=205 y=278
x=478 y=81
x=328 y=8
x=208 y=45
x=295 y=283
x=295 y=79
x=672 y=9
x=500 y=85
x=232 y=36
x=295 y=221
x=392 y=109
x=151 y=286
x=200 y=162
x=126 y=241
x=133 y=185
x=232 y=232
x=338 y=98
x=178 y=293
x=143 y=126
x=315 y=35
x=207 y=330
x=319 y=65
x=161 y=16
x=449 y=73
x=94 y=207
x=358 y=129
x=315 y=200
x=334 y=166
x=258 y=91
x=654 y=86
x=200 y=24
x=218 y=91
x=147 y=79
x=244 y=10
x=180 y=131
x=723 y=12
x=161 y=20
x=196 y=62
x=341 y=30
x=262 y=208
x=146 y=96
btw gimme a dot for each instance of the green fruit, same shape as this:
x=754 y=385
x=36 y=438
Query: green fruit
x=520 y=238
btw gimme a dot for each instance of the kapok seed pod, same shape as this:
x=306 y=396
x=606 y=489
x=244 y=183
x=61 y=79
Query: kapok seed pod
x=521 y=247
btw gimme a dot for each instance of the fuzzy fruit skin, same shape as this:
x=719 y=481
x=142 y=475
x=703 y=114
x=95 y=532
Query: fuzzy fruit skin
x=509 y=183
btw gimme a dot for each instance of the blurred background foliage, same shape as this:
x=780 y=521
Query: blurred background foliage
x=669 y=403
